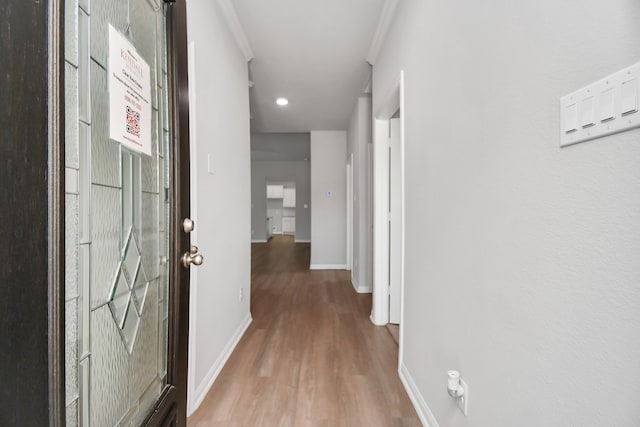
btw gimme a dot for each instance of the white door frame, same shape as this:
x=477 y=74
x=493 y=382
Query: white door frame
x=350 y=214
x=393 y=101
x=396 y=234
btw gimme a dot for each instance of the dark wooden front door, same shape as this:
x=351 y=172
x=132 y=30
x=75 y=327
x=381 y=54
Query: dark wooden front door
x=93 y=293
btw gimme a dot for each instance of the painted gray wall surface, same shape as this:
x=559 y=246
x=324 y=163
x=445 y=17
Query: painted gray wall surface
x=295 y=171
x=358 y=136
x=221 y=202
x=328 y=214
x=522 y=267
x=280 y=146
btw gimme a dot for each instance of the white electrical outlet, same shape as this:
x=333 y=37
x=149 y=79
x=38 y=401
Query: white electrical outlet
x=241 y=294
x=463 y=401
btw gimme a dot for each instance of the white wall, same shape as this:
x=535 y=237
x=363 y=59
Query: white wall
x=358 y=138
x=534 y=248
x=220 y=127
x=328 y=213
x=277 y=147
x=293 y=171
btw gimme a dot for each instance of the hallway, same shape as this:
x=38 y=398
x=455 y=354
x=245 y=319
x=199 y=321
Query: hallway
x=311 y=357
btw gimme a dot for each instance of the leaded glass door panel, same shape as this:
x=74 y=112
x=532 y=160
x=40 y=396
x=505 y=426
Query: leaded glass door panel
x=122 y=279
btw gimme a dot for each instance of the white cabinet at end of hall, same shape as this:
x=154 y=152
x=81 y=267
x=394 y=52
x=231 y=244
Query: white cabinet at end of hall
x=289 y=198
x=275 y=191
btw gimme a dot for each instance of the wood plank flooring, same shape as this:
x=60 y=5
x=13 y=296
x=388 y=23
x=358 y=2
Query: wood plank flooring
x=311 y=357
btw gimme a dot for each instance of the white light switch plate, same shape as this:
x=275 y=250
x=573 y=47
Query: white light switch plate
x=602 y=108
x=209 y=164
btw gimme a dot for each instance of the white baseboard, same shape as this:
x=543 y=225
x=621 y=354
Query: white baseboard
x=197 y=394
x=303 y=241
x=424 y=413
x=259 y=241
x=328 y=267
x=360 y=289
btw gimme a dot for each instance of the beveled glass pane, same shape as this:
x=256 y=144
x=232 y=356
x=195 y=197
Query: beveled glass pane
x=84 y=377
x=71 y=350
x=137 y=193
x=84 y=61
x=71 y=251
x=72 y=414
x=140 y=290
x=84 y=304
x=120 y=298
x=105 y=153
x=149 y=235
x=131 y=257
x=130 y=328
x=84 y=183
x=144 y=38
x=71 y=122
x=148 y=400
x=127 y=192
x=103 y=13
x=106 y=247
x=71 y=32
x=110 y=370
x=144 y=355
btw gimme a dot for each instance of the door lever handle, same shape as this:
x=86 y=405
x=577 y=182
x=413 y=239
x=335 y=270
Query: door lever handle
x=192 y=257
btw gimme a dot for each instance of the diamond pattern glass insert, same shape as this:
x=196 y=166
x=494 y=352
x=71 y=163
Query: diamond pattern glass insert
x=129 y=291
x=131 y=257
x=140 y=288
x=120 y=298
x=116 y=359
x=130 y=329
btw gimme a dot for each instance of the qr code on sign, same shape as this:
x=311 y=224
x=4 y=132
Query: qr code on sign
x=133 y=122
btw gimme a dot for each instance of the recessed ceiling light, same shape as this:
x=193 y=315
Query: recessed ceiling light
x=282 y=101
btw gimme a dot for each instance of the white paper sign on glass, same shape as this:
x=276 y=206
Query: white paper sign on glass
x=129 y=95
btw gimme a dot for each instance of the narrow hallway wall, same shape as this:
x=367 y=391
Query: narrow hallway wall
x=220 y=194
x=358 y=144
x=522 y=264
x=328 y=199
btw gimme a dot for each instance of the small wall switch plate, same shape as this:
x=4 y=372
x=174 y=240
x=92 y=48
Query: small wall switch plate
x=209 y=164
x=605 y=107
x=241 y=294
x=463 y=401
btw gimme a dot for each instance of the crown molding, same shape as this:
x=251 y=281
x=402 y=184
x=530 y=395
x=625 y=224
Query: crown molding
x=230 y=15
x=384 y=22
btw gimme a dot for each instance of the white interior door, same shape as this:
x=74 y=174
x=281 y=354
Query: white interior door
x=395 y=221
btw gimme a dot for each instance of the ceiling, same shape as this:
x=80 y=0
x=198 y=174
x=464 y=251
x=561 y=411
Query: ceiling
x=311 y=52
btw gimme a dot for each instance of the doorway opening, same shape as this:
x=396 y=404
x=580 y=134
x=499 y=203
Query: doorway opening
x=388 y=211
x=349 y=205
x=281 y=208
